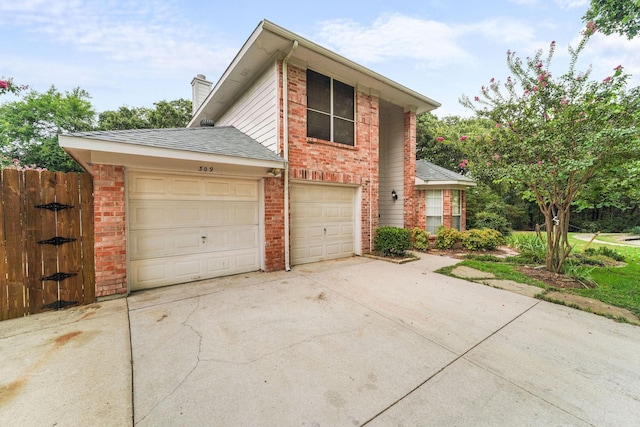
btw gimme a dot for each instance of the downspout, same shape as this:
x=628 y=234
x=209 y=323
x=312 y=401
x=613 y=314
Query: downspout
x=285 y=149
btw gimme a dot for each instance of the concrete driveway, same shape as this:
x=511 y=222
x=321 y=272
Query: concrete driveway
x=355 y=342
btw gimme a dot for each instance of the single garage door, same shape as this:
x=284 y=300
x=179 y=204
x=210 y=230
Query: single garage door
x=322 y=222
x=184 y=228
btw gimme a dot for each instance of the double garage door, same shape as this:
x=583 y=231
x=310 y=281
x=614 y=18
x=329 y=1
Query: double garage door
x=322 y=222
x=184 y=228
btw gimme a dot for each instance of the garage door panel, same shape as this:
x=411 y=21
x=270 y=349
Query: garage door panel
x=322 y=222
x=190 y=228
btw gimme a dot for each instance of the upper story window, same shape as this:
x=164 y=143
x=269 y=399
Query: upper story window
x=330 y=109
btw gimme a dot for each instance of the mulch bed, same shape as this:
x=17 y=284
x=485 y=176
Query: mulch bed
x=559 y=281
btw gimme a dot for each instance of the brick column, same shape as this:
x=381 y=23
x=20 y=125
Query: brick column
x=410 y=212
x=109 y=229
x=447 y=210
x=274 y=224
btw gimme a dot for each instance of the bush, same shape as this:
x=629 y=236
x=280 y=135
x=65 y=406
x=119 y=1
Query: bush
x=532 y=249
x=607 y=252
x=420 y=239
x=486 y=239
x=486 y=219
x=446 y=237
x=392 y=241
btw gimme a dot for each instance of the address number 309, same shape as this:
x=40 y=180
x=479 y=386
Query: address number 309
x=205 y=169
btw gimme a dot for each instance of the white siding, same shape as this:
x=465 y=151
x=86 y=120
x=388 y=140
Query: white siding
x=255 y=112
x=391 y=165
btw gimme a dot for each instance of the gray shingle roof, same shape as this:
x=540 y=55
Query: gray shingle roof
x=427 y=171
x=223 y=140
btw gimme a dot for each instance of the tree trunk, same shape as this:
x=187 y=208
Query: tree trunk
x=557 y=227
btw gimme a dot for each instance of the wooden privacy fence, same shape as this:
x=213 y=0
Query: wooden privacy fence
x=46 y=241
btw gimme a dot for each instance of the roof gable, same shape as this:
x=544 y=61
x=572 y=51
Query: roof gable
x=269 y=43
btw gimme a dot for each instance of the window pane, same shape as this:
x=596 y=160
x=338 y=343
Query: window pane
x=434 y=203
x=455 y=202
x=318 y=92
x=342 y=100
x=318 y=125
x=433 y=223
x=343 y=131
x=455 y=222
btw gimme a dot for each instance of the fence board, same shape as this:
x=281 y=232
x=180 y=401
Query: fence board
x=14 y=244
x=4 y=297
x=33 y=234
x=87 y=239
x=49 y=230
x=69 y=255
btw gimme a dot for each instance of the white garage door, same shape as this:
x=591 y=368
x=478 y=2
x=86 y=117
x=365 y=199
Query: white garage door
x=184 y=228
x=322 y=222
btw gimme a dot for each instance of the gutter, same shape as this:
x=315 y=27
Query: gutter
x=285 y=108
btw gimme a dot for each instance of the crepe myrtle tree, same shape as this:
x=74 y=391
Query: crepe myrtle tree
x=8 y=86
x=552 y=133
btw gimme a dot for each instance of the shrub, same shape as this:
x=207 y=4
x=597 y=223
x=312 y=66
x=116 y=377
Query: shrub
x=486 y=239
x=579 y=273
x=532 y=249
x=420 y=239
x=607 y=252
x=446 y=237
x=486 y=219
x=392 y=241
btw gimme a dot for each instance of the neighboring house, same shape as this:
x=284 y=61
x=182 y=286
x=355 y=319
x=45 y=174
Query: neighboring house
x=445 y=196
x=295 y=155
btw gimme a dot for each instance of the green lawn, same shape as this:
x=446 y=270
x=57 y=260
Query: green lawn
x=619 y=286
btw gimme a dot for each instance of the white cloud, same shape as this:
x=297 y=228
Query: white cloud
x=393 y=36
x=525 y=2
x=124 y=31
x=433 y=43
x=607 y=52
x=571 y=4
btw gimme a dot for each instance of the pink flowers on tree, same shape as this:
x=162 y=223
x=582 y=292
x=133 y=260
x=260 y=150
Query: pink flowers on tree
x=7 y=85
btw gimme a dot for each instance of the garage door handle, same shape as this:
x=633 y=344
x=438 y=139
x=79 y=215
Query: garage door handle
x=325 y=231
x=204 y=239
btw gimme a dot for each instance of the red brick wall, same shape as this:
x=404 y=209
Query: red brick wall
x=446 y=208
x=315 y=160
x=411 y=208
x=274 y=224
x=110 y=237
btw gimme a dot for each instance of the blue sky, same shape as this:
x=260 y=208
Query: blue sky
x=134 y=53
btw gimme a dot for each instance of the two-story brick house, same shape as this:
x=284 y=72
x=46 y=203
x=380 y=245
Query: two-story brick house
x=295 y=155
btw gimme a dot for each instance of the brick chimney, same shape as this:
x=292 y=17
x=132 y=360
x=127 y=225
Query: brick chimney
x=200 y=88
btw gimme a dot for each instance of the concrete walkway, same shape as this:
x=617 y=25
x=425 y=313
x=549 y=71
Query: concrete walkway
x=349 y=342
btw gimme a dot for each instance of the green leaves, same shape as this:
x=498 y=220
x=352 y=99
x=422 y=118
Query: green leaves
x=165 y=114
x=29 y=128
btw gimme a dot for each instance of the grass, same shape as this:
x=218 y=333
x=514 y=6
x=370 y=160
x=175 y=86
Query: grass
x=502 y=271
x=619 y=286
